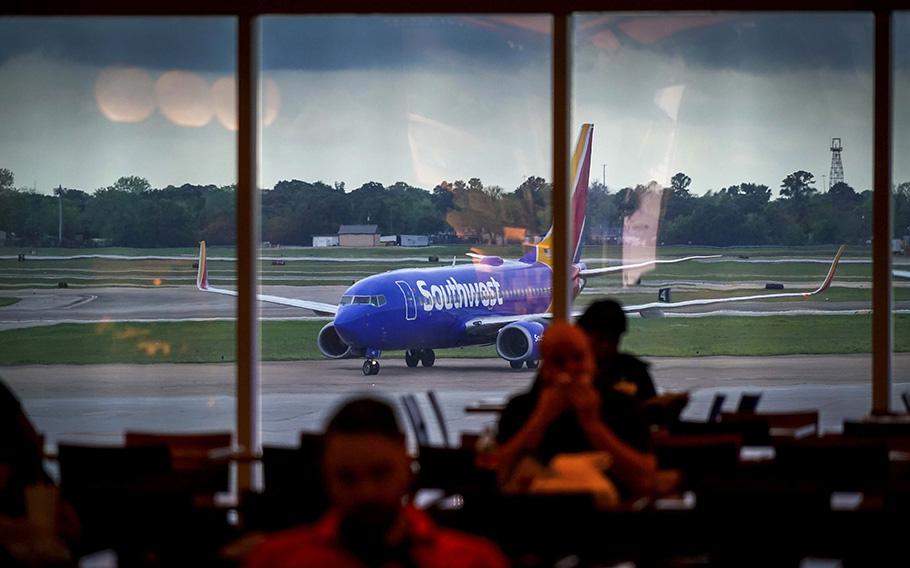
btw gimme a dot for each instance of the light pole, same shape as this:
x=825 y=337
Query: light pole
x=59 y=192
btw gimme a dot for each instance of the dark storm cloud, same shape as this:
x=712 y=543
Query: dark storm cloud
x=750 y=42
x=199 y=44
x=307 y=43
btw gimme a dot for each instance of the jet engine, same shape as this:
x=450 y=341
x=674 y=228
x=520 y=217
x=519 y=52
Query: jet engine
x=330 y=344
x=519 y=341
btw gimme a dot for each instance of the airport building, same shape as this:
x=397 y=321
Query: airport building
x=359 y=236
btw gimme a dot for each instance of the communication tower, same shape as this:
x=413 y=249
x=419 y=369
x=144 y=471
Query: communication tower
x=837 y=167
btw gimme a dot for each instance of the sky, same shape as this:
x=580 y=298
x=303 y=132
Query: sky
x=724 y=98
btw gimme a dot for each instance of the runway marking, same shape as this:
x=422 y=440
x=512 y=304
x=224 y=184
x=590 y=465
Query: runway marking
x=84 y=300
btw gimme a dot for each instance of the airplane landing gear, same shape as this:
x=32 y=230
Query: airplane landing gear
x=516 y=364
x=370 y=367
x=533 y=364
x=414 y=356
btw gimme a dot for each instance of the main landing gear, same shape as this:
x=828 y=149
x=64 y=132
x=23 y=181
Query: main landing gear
x=519 y=364
x=414 y=356
x=371 y=367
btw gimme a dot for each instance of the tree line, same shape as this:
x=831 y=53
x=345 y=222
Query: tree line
x=131 y=213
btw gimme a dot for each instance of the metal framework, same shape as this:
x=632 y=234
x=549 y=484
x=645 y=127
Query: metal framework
x=837 y=166
x=247 y=13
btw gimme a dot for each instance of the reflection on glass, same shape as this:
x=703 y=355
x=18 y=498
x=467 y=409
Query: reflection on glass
x=111 y=172
x=716 y=184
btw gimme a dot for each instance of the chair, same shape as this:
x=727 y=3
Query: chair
x=415 y=419
x=440 y=419
x=294 y=491
x=834 y=462
x=753 y=431
x=865 y=428
x=748 y=402
x=716 y=406
x=126 y=498
x=780 y=424
x=192 y=455
x=699 y=456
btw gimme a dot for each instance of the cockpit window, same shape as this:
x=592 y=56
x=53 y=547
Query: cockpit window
x=376 y=301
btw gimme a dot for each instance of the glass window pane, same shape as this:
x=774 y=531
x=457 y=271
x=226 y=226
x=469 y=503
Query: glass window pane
x=734 y=136
x=391 y=147
x=117 y=158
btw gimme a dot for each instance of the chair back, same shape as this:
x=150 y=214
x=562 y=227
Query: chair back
x=294 y=491
x=415 y=419
x=753 y=431
x=716 y=405
x=780 y=424
x=190 y=456
x=873 y=429
x=699 y=456
x=83 y=466
x=835 y=462
x=748 y=402
x=440 y=419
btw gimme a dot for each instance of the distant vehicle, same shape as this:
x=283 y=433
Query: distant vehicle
x=492 y=301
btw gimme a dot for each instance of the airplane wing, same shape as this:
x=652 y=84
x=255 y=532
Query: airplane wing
x=492 y=324
x=202 y=283
x=649 y=309
x=900 y=273
x=589 y=272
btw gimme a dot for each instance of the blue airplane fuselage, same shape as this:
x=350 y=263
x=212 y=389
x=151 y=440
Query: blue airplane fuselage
x=428 y=308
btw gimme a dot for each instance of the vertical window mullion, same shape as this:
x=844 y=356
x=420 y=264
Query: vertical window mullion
x=247 y=392
x=882 y=335
x=562 y=99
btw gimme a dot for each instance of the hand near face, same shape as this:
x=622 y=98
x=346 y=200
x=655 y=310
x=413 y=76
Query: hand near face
x=552 y=402
x=584 y=399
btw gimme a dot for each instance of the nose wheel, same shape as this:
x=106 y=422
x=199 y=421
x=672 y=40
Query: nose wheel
x=370 y=367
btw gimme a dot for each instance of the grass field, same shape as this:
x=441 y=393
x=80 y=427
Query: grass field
x=8 y=301
x=205 y=342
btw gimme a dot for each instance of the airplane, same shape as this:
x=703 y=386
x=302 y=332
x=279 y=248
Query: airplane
x=492 y=301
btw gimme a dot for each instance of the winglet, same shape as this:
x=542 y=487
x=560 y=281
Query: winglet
x=202 y=275
x=830 y=277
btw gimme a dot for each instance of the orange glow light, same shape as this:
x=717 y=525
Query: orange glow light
x=125 y=94
x=184 y=98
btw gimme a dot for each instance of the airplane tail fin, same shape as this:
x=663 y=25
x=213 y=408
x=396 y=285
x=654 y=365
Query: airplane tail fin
x=202 y=274
x=581 y=171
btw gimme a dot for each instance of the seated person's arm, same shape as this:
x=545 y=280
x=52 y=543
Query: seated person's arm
x=633 y=468
x=520 y=433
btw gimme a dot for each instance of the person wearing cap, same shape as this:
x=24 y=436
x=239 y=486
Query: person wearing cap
x=564 y=412
x=621 y=375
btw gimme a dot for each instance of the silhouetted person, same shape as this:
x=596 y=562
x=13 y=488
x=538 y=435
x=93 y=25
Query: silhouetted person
x=605 y=322
x=368 y=475
x=564 y=412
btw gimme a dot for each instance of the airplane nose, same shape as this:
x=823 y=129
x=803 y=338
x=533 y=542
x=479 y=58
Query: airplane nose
x=350 y=323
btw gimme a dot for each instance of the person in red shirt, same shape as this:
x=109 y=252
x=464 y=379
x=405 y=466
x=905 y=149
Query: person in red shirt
x=368 y=475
